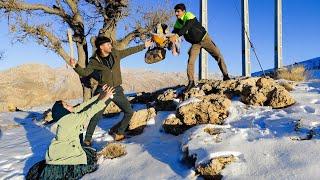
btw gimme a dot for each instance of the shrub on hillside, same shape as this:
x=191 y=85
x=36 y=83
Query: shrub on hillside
x=296 y=73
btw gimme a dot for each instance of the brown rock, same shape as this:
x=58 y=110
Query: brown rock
x=212 y=109
x=244 y=82
x=207 y=88
x=267 y=92
x=174 y=126
x=251 y=96
x=112 y=150
x=226 y=85
x=213 y=169
x=139 y=120
x=266 y=85
x=194 y=92
x=165 y=101
x=144 y=97
x=167 y=95
x=280 y=98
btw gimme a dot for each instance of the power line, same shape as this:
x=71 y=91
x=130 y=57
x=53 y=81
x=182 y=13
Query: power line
x=250 y=42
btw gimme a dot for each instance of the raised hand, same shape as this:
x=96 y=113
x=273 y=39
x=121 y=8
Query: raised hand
x=173 y=38
x=147 y=43
x=106 y=93
x=72 y=63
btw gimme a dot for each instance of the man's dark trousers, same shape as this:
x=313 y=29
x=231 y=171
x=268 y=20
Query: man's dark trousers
x=122 y=102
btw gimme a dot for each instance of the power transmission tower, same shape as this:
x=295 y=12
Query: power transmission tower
x=246 y=63
x=203 y=63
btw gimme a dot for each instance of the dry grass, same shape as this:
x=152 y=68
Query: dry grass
x=113 y=150
x=214 y=168
x=288 y=86
x=296 y=73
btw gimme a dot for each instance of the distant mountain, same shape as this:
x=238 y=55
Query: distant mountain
x=36 y=84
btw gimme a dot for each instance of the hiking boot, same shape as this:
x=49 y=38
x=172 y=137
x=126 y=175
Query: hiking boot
x=114 y=129
x=190 y=86
x=118 y=137
x=87 y=143
x=226 y=78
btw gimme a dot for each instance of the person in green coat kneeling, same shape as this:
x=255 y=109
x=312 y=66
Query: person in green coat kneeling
x=65 y=157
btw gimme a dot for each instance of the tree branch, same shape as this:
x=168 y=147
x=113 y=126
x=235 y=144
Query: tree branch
x=45 y=38
x=123 y=43
x=73 y=4
x=13 y=5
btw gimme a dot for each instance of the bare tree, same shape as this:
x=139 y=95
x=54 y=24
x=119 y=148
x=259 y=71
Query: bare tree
x=47 y=23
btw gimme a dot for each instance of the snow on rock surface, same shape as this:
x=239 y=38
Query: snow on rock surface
x=267 y=143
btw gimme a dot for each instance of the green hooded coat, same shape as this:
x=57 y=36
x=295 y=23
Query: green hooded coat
x=65 y=148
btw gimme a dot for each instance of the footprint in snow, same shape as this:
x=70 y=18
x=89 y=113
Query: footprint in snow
x=309 y=109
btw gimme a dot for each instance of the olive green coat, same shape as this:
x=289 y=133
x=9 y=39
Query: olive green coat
x=111 y=77
x=65 y=148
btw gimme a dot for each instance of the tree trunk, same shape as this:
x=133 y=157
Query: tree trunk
x=83 y=62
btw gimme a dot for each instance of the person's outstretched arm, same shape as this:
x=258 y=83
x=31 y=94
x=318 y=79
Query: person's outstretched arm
x=96 y=107
x=82 y=71
x=132 y=50
x=85 y=104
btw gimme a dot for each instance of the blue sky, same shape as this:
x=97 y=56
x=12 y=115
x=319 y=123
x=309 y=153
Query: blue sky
x=301 y=39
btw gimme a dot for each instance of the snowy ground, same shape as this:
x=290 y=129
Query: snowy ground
x=268 y=143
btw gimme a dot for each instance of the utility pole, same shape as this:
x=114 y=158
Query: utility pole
x=246 y=63
x=203 y=63
x=278 y=35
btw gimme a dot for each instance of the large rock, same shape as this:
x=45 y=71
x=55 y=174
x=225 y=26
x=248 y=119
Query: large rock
x=144 y=97
x=257 y=91
x=165 y=101
x=233 y=86
x=194 y=92
x=280 y=98
x=139 y=120
x=267 y=92
x=213 y=109
x=251 y=96
x=213 y=169
x=266 y=85
x=149 y=97
x=112 y=150
x=174 y=126
x=244 y=82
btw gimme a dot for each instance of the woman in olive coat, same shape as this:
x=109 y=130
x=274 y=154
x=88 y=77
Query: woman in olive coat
x=65 y=157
